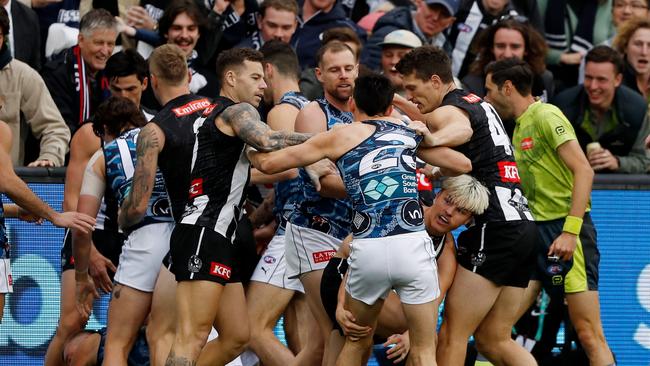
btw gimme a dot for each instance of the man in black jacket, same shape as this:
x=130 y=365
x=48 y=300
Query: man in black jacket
x=74 y=78
x=25 y=39
x=605 y=112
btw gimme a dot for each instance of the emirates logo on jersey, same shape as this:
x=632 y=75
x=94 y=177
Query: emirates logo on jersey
x=527 y=143
x=191 y=107
x=472 y=98
x=508 y=171
x=196 y=187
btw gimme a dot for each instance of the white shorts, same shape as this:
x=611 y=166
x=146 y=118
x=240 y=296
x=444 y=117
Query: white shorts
x=142 y=255
x=405 y=263
x=307 y=249
x=6 y=282
x=272 y=267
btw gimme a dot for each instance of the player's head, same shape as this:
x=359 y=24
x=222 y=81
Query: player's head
x=280 y=63
x=337 y=69
x=127 y=72
x=116 y=115
x=426 y=75
x=458 y=201
x=373 y=95
x=241 y=75
x=505 y=80
x=168 y=68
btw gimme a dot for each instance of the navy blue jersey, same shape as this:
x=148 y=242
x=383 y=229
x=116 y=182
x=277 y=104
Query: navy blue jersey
x=379 y=176
x=120 y=157
x=288 y=192
x=328 y=215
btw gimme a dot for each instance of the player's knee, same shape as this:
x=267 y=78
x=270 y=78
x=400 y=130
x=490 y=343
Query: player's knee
x=588 y=333
x=487 y=345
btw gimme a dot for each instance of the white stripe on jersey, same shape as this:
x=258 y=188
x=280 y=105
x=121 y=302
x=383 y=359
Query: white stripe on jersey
x=127 y=160
x=237 y=186
x=198 y=248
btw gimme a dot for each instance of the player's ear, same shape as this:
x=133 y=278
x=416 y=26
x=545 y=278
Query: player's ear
x=388 y=111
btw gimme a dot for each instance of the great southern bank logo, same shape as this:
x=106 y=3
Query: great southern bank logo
x=375 y=189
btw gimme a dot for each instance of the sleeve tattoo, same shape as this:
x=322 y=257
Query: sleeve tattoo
x=135 y=204
x=246 y=122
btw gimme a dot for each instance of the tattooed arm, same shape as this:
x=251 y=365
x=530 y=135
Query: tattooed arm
x=150 y=142
x=245 y=122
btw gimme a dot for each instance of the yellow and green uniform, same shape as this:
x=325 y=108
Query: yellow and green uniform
x=548 y=184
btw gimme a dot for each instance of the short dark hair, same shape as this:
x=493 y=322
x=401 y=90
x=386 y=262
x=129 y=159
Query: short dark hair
x=334 y=47
x=176 y=8
x=343 y=34
x=4 y=24
x=426 y=61
x=124 y=63
x=373 y=93
x=600 y=54
x=234 y=58
x=517 y=71
x=116 y=113
x=283 y=57
x=286 y=5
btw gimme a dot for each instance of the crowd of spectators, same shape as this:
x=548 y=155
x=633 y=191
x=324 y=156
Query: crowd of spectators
x=590 y=58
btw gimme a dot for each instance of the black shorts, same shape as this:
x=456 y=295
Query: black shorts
x=329 y=287
x=200 y=253
x=581 y=272
x=108 y=243
x=246 y=252
x=502 y=252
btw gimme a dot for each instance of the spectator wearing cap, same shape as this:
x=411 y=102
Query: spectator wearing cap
x=605 y=112
x=428 y=21
x=29 y=110
x=472 y=19
x=395 y=45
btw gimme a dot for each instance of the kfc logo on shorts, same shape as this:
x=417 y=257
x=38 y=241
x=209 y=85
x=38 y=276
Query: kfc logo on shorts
x=527 y=143
x=191 y=107
x=196 y=187
x=472 y=98
x=508 y=171
x=323 y=256
x=220 y=270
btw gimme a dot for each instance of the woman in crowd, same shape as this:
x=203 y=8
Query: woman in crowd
x=633 y=41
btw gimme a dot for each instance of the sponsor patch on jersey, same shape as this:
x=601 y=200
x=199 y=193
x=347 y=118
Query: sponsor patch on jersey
x=220 y=270
x=196 y=187
x=527 y=143
x=508 y=171
x=191 y=107
x=560 y=130
x=412 y=213
x=389 y=187
x=323 y=256
x=424 y=183
x=360 y=222
x=472 y=98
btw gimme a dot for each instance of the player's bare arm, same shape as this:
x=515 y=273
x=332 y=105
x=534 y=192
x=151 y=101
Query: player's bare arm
x=309 y=152
x=245 y=122
x=449 y=126
x=450 y=161
x=18 y=191
x=583 y=175
x=150 y=142
x=83 y=145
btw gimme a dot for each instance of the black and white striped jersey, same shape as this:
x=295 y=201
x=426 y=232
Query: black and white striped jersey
x=493 y=160
x=176 y=120
x=219 y=175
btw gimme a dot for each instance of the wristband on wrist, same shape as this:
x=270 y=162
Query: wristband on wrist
x=572 y=225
